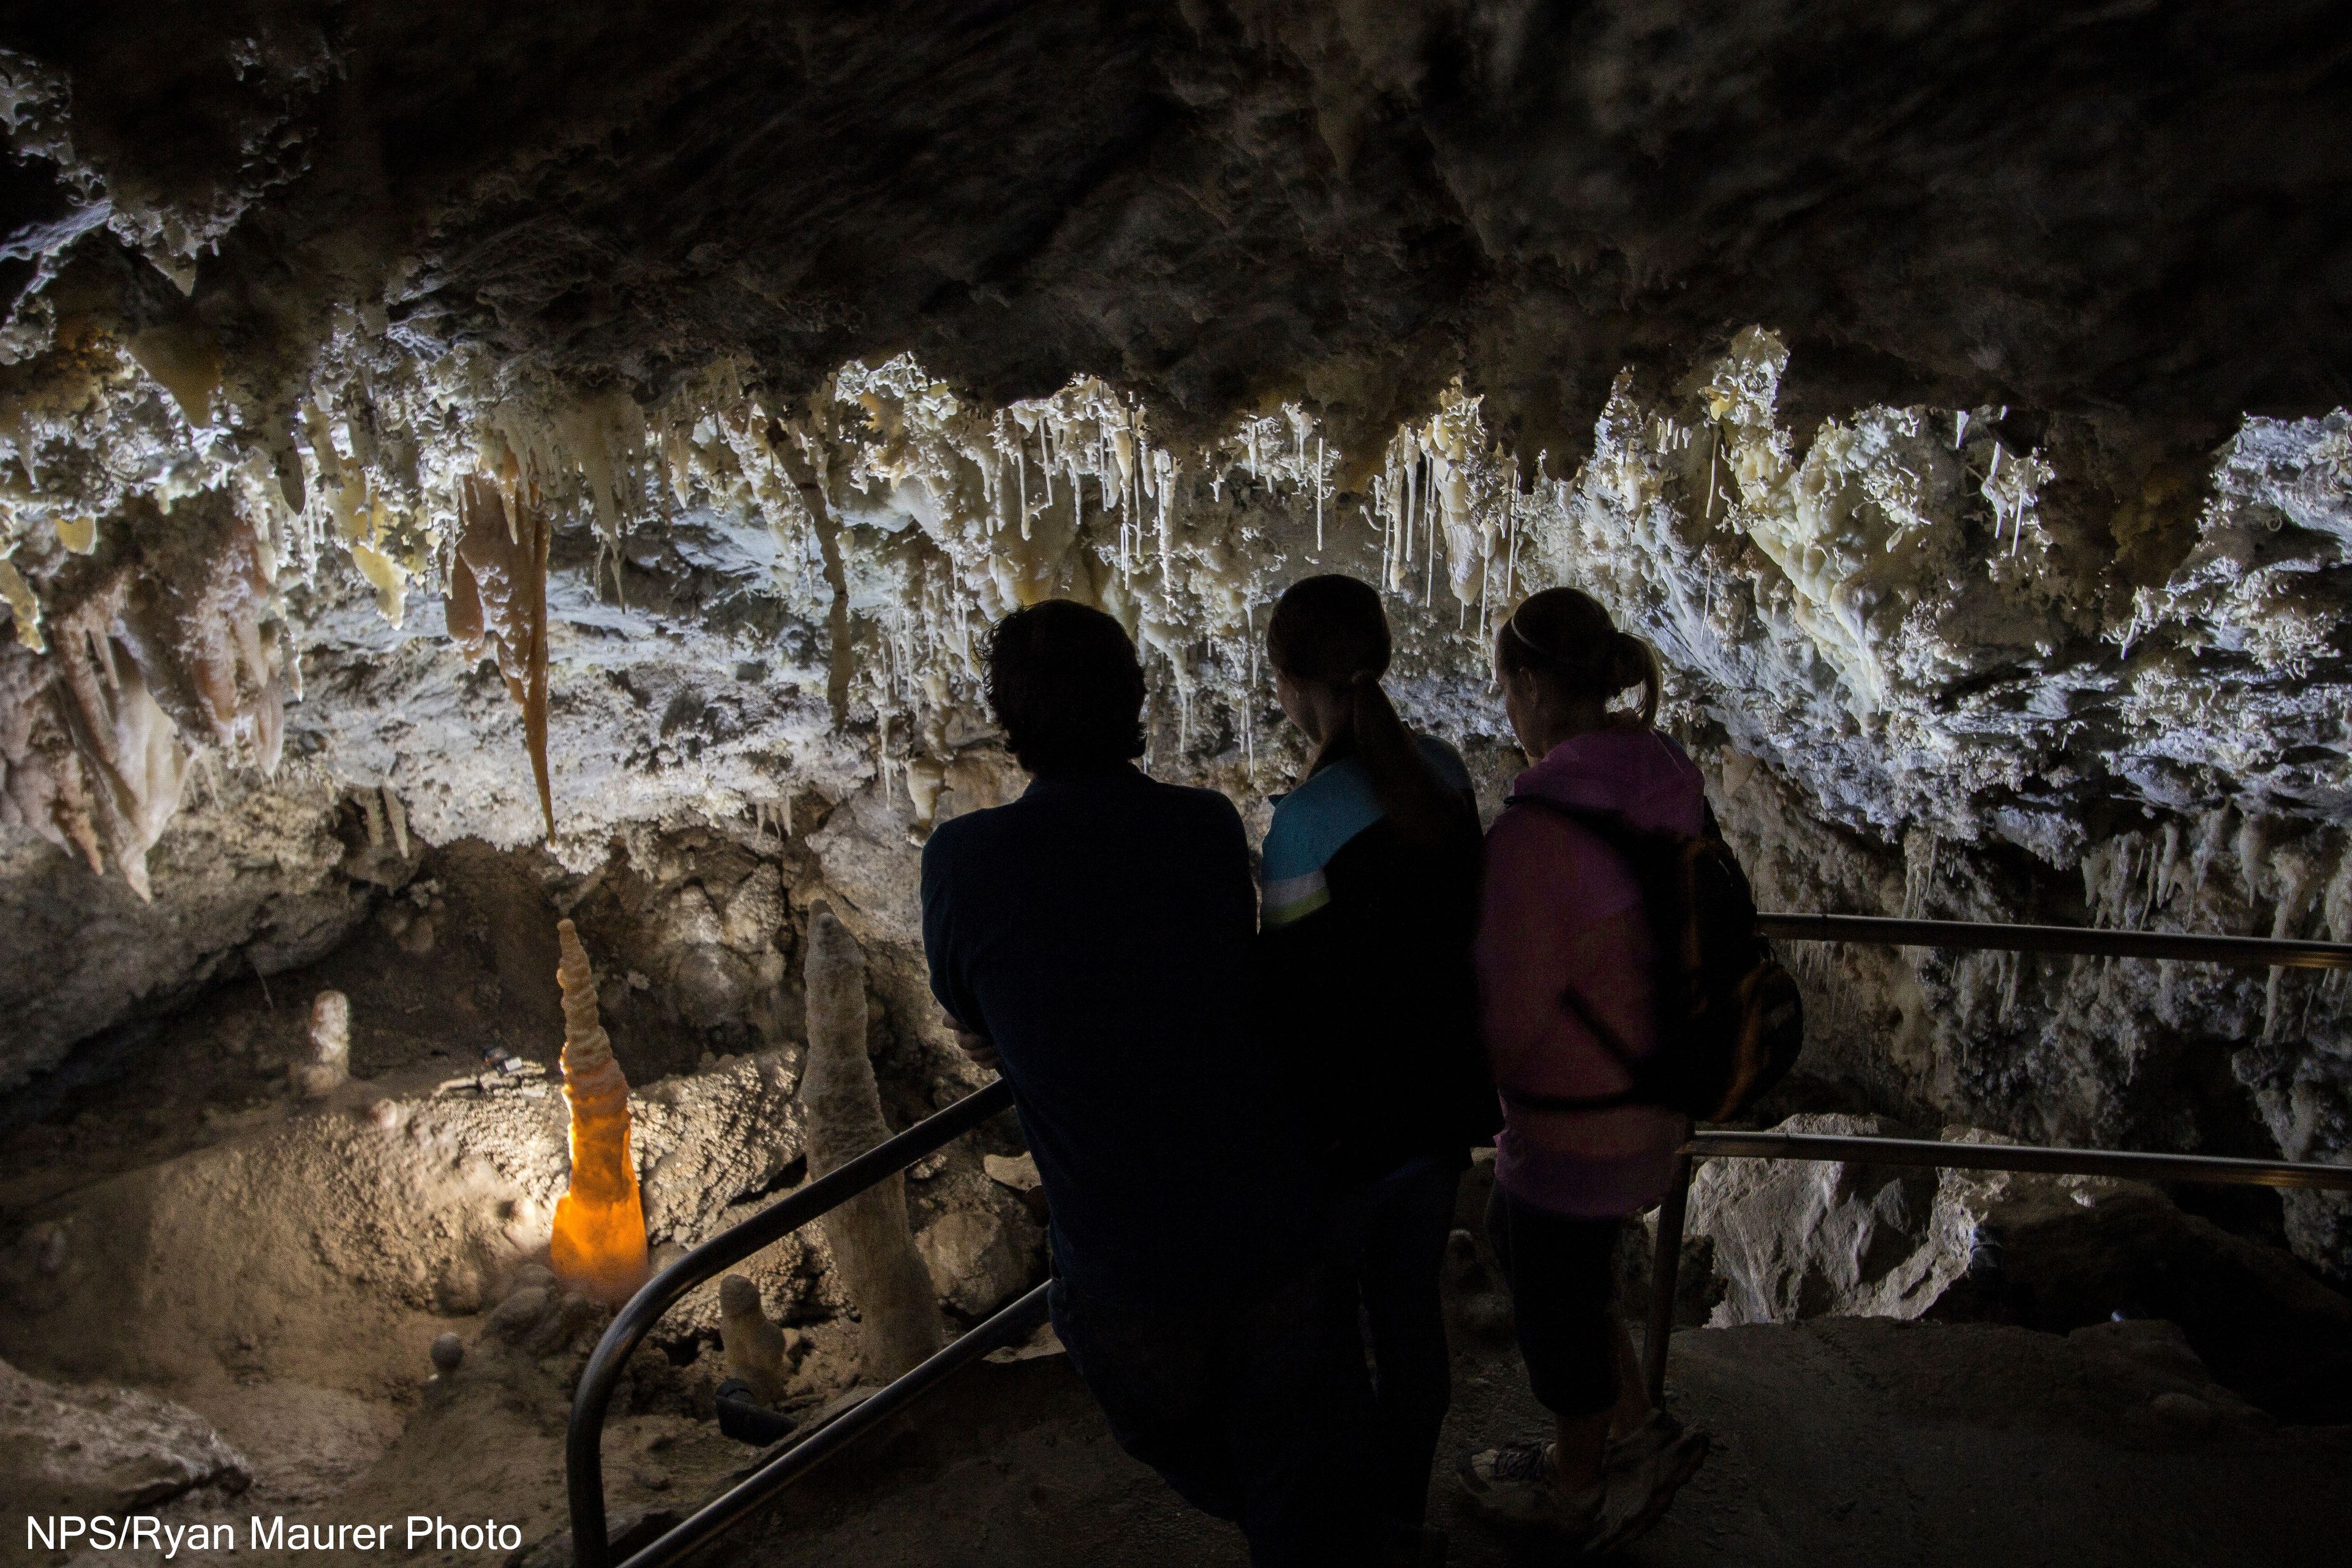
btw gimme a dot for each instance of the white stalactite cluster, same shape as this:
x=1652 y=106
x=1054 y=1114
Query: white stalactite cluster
x=1444 y=488
x=1914 y=617
x=1892 y=615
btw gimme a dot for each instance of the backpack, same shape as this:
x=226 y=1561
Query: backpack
x=1729 y=1020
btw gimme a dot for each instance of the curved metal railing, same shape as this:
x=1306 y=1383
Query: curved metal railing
x=583 y=1457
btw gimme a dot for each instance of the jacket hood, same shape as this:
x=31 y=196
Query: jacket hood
x=1640 y=774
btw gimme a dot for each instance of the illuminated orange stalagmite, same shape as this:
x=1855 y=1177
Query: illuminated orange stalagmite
x=599 y=1247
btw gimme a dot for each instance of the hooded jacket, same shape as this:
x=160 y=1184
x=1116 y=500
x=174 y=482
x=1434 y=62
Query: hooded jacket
x=1560 y=909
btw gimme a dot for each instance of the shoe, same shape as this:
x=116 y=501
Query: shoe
x=1644 y=1470
x=1518 y=1484
x=1637 y=1447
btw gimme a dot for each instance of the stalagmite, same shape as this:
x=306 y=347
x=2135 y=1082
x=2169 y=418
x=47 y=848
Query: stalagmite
x=872 y=1246
x=755 y=1347
x=498 y=604
x=599 y=1243
x=329 y=1065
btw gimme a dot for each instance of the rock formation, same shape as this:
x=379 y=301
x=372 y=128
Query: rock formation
x=103 y=1450
x=872 y=1246
x=754 y=1346
x=1791 y=1240
x=1980 y=473
x=497 y=602
x=598 y=1245
x=329 y=1064
x=1954 y=395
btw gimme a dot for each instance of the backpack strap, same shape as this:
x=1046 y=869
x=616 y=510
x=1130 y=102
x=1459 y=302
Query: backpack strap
x=1610 y=826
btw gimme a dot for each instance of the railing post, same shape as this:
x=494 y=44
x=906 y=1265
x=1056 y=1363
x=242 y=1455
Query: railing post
x=1663 y=1267
x=590 y=1546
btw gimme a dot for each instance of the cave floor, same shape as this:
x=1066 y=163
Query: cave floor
x=1837 y=1441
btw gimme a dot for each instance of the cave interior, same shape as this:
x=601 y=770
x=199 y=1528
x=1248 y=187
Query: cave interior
x=464 y=471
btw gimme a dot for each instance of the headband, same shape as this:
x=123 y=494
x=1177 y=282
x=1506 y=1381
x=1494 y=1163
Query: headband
x=1512 y=626
x=1618 y=637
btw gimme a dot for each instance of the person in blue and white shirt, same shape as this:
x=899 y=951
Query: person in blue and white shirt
x=1368 y=996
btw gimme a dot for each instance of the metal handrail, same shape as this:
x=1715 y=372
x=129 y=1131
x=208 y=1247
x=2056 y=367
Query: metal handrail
x=2128 y=1165
x=583 y=1459
x=2131 y=1165
x=2277 y=952
x=1010 y=1324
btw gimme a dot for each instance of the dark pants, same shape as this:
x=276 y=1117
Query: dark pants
x=1563 y=1276
x=1394 y=1232
x=1251 y=1411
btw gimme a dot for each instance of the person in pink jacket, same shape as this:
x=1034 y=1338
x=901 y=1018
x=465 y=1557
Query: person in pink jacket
x=1561 y=912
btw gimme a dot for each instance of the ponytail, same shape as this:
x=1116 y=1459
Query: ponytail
x=1332 y=631
x=1566 y=640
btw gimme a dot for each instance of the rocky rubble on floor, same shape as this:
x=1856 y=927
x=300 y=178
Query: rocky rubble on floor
x=100 y=1450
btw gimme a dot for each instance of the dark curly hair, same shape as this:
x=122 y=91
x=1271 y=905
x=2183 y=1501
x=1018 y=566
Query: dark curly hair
x=1065 y=682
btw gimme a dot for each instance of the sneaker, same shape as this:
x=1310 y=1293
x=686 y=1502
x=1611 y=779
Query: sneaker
x=1645 y=1469
x=1518 y=1484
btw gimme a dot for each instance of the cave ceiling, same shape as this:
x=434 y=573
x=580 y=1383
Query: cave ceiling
x=2125 y=209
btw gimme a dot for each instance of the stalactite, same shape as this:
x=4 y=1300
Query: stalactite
x=24 y=607
x=498 y=604
x=145 y=646
x=598 y=1245
x=925 y=776
x=872 y=1246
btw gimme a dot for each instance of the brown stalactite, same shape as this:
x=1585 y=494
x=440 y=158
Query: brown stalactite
x=498 y=604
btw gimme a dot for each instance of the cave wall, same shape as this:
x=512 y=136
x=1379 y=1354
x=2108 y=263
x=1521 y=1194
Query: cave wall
x=1948 y=393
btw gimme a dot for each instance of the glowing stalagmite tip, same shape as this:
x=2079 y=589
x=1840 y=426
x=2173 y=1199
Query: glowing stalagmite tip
x=598 y=1245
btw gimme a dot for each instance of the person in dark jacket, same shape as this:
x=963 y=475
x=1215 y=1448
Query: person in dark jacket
x=1368 y=996
x=1092 y=939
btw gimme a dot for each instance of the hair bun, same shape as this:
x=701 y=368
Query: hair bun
x=1628 y=660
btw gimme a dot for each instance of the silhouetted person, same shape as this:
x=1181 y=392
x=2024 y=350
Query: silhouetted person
x=1563 y=946
x=1370 y=1005
x=1093 y=939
